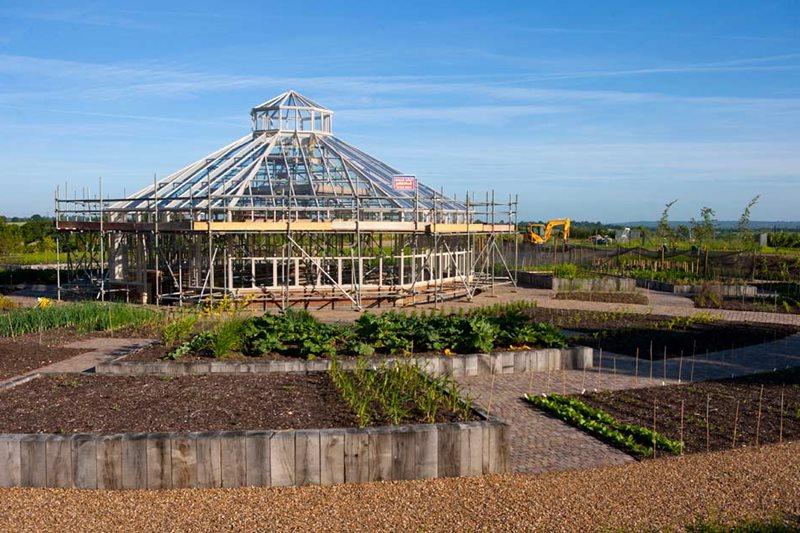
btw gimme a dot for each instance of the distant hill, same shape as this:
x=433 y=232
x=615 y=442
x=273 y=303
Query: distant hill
x=722 y=224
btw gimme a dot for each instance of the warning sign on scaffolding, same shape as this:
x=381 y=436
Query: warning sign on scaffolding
x=404 y=182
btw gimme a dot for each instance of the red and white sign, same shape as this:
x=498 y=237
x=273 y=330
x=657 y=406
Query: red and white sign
x=404 y=182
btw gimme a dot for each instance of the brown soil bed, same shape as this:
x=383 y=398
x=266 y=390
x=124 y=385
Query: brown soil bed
x=159 y=352
x=608 y=297
x=760 y=305
x=101 y=404
x=26 y=353
x=688 y=339
x=636 y=406
x=578 y=319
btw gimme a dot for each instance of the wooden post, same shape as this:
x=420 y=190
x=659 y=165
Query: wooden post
x=682 y=441
x=780 y=431
x=654 y=427
x=736 y=422
x=708 y=429
x=636 y=372
x=601 y=362
x=758 y=422
x=583 y=379
x=491 y=393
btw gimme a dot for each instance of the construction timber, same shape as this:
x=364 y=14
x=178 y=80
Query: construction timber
x=287 y=216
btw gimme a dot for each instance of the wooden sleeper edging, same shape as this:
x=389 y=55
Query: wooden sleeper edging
x=506 y=362
x=254 y=458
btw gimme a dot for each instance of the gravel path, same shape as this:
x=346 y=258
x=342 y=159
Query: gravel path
x=654 y=495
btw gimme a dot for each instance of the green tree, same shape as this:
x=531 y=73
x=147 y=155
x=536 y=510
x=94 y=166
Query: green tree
x=745 y=235
x=664 y=230
x=704 y=229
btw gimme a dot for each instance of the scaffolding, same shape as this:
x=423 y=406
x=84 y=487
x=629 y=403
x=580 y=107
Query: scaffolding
x=288 y=215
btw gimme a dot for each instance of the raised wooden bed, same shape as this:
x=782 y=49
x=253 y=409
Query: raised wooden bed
x=543 y=280
x=254 y=458
x=577 y=357
x=724 y=290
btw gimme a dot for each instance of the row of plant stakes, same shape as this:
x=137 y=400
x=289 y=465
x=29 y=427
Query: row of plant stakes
x=298 y=333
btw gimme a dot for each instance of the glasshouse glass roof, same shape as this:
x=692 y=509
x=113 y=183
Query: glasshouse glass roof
x=289 y=156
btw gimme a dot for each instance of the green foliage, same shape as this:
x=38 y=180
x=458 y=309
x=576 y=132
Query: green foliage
x=179 y=330
x=664 y=230
x=199 y=344
x=298 y=333
x=744 y=220
x=85 y=316
x=772 y=525
x=633 y=439
x=709 y=296
x=704 y=229
x=398 y=394
x=664 y=275
x=226 y=338
x=566 y=270
x=784 y=239
x=292 y=332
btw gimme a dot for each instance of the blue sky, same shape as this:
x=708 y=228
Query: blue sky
x=595 y=110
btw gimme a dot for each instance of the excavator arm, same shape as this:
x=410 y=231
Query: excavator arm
x=541 y=233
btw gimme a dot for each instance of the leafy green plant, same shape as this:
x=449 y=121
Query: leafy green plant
x=566 y=270
x=178 y=330
x=636 y=440
x=298 y=333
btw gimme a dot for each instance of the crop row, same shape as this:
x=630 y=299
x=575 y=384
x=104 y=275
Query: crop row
x=298 y=333
x=636 y=440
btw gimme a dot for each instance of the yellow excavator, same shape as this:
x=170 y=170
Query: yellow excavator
x=541 y=233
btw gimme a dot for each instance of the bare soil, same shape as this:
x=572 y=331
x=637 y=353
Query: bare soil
x=159 y=352
x=724 y=398
x=102 y=404
x=681 y=338
x=26 y=353
x=608 y=297
x=759 y=305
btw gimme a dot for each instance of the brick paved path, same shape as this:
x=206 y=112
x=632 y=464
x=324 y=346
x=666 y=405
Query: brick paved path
x=540 y=443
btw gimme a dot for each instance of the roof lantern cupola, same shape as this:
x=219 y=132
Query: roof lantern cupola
x=290 y=112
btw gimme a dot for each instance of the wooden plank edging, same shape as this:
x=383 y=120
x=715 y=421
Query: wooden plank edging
x=506 y=362
x=255 y=458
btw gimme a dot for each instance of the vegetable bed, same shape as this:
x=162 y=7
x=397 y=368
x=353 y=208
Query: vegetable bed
x=637 y=440
x=100 y=404
x=300 y=334
x=725 y=398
